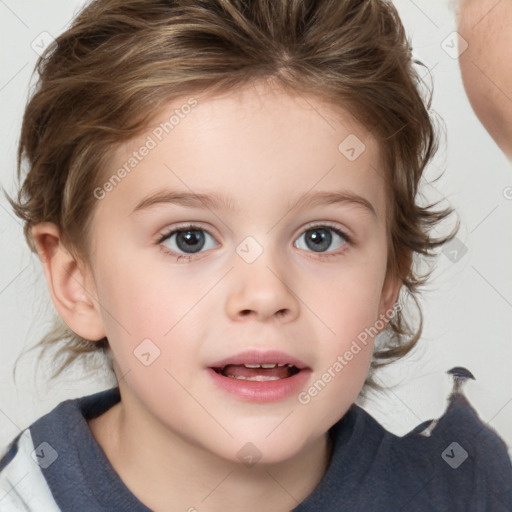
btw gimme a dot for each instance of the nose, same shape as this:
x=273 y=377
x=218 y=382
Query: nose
x=261 y=291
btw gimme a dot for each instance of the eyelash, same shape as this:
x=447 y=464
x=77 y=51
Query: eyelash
x=164 y=236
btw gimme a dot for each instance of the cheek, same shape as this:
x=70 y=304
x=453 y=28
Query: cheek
x=155 y=302
x=141 y=295
x=350 y=296
x=350 y=314
x=347 y=348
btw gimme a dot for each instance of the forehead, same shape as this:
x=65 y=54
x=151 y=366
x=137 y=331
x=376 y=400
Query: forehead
x=254 y=143
x=254 y=105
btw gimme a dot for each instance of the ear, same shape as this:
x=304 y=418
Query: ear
x=390 y=291
x=389 y=296
x=393 y=284
x=70 y=283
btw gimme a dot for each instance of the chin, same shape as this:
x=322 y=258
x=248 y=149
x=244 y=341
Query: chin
x=260 y=450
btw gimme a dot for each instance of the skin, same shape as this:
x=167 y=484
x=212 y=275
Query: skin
x=485 y=65
x=174 y=437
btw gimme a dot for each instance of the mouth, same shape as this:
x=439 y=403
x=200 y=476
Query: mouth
x=259 y=366
x=260 y=376
x=258 y=372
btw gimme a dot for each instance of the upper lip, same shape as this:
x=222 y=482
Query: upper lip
x=260 y=357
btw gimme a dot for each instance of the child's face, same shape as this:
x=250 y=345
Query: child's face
x=260 y=282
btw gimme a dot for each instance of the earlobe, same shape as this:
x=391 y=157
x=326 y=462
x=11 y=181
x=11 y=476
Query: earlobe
x=70 y=285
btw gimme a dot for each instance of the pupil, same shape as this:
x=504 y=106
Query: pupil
x=320 y=239
x=186 y=240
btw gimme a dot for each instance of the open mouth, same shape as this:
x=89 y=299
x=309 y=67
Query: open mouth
x=258 y=372
x=260 y=376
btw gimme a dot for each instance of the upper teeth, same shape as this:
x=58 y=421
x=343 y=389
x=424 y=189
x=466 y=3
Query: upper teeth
x=266 y=365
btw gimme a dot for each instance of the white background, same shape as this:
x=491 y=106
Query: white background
x=467 y=306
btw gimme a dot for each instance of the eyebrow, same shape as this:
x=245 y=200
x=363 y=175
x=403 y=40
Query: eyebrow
x=326 y=198
x=192 y=200
x=220 y=201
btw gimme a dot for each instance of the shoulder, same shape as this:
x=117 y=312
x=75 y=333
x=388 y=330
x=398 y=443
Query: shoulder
x=458 y=459
x=22 y=484
x=455 y=463
x=42 y=456
x=462 y=425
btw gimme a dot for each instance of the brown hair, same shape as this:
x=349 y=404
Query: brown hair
x=121 y=61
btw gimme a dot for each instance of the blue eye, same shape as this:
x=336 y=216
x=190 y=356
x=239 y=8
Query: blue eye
x=319 y=238
x=189 y=240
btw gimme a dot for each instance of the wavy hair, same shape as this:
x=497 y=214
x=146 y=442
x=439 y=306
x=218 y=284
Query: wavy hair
x=103 y=79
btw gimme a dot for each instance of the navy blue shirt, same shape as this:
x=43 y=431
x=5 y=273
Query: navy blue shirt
x=460 y=464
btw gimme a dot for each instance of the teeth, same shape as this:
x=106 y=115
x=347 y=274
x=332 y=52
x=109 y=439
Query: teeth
x=267 y=365
x=264 y=365
x=259 y=378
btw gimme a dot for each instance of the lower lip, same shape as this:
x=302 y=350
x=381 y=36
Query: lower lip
x=261 y=391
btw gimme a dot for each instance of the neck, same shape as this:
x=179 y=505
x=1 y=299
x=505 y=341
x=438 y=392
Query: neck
x=161 y=468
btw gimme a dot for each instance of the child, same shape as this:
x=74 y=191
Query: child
x=286 y=138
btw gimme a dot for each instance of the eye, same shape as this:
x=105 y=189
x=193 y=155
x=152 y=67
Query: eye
x=186 y=241
x=320 y=237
